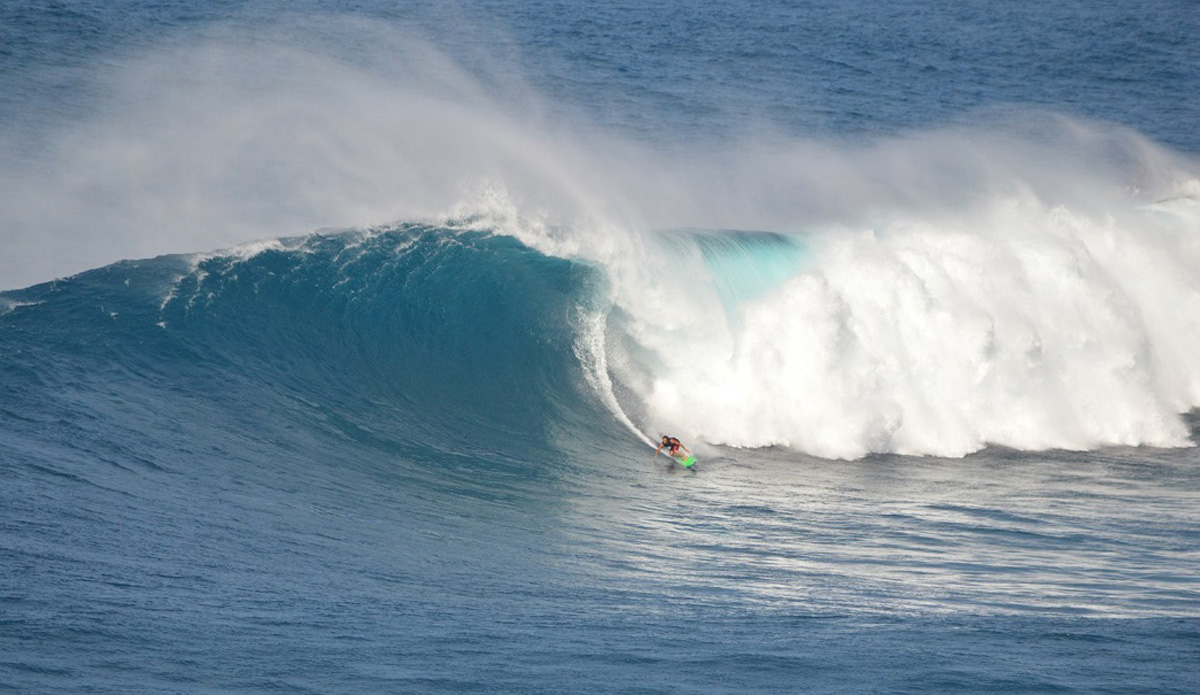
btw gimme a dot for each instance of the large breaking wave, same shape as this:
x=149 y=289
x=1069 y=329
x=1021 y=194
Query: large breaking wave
x=1022 y=280
x=1027 y=325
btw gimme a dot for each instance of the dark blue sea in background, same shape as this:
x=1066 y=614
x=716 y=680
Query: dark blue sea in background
x=919 y=282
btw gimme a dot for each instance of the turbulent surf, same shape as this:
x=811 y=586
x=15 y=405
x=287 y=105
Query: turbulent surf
x=923 y=301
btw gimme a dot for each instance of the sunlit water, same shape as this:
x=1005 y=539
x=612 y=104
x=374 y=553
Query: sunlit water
x=920 y=285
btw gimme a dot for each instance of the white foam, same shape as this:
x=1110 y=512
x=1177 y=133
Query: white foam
x=1019 y=323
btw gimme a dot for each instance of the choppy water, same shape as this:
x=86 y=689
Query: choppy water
x=920 y=285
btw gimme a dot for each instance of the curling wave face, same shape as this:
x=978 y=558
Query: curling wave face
x=420 y=343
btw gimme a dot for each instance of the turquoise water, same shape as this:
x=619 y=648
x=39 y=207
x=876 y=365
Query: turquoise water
x=918 y=285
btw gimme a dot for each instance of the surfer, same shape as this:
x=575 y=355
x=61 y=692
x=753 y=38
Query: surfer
x=673 y=446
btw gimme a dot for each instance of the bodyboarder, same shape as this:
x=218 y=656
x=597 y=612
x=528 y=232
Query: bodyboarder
x=674 y=446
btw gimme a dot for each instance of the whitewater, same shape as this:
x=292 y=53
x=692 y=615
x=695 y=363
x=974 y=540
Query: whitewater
x=336 y=343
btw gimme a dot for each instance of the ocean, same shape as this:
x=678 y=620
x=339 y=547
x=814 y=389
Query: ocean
x=336 y=339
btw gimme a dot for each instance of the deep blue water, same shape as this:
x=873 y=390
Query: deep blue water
x=920 y=285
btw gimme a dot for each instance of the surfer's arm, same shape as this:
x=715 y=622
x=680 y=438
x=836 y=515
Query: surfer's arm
x=660 y=446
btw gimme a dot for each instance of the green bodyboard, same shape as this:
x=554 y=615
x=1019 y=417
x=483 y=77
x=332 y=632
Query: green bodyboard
x=686 y=461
